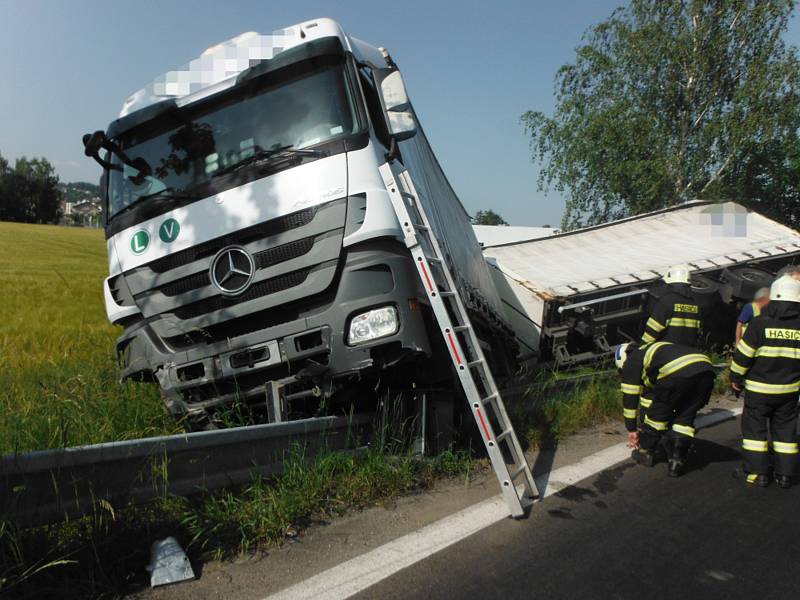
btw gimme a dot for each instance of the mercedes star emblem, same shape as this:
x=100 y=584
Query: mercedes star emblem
x=232 y=270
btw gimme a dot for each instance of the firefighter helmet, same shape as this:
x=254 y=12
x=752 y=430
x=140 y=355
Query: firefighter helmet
x=785 y=288
x=678 y=274
x=621 y=354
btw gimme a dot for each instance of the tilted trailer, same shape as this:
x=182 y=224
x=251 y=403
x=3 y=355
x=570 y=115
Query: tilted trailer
x=572 y=296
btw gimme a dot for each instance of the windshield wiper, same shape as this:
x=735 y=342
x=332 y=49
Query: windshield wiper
x=267 y=157
x=157 y=200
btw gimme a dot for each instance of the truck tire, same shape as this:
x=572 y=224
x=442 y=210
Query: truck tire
x=705 y=290
x=745 y=281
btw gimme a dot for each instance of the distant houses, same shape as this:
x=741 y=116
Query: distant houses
x=80 y=205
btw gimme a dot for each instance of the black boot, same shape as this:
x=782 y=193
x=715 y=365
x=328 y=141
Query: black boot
x=755 y=479
x=677 y=459
x=783 y=481
x=646 y=458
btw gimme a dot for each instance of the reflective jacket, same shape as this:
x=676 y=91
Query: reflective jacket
x=767 y=358
x=676 y=318
x=653 y=365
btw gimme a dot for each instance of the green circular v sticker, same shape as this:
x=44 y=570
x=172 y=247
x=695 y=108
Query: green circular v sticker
x=140 y=241
x=169 y=230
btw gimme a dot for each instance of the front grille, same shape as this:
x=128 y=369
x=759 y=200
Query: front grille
x=187 y=284
x=262 y=260
x=241 y=237
x=273 y=256
x=264 y=319
x=257 y=290
x=314 y=243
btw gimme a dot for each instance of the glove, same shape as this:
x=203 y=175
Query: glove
x=737 y=389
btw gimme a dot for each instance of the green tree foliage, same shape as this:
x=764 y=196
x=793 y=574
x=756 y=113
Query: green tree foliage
x=29 y=192
x=488 y=217
x=674 y=100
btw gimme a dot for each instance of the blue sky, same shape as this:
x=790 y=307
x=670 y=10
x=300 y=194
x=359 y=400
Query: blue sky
x=471 y=73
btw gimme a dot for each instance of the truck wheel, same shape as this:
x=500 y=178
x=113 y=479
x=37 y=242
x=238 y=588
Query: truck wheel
x=746 y=281
x=705 y=290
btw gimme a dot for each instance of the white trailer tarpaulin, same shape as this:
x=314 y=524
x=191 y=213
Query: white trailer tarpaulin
x=705 y=235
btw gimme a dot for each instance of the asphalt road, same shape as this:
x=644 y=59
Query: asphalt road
x=630 y=532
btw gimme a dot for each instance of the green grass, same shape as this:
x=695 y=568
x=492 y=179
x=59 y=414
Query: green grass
x=58 y=372
x=550 y=411
x=103 y=555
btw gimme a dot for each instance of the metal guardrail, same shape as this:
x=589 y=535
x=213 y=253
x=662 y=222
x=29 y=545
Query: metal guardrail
x=607 y=373
x=49 y=485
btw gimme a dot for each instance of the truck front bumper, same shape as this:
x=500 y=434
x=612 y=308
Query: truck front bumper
x=372 y=275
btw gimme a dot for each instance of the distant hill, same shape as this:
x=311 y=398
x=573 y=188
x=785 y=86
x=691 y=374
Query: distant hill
x=79 y=191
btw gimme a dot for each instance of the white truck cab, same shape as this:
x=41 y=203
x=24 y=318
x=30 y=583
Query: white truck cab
x=251 y=238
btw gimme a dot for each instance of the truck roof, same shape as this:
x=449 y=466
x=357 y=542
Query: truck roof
x=217 y=67
x=707 y=235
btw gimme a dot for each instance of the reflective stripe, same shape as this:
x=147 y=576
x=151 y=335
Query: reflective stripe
x=645 y=402
x=755 y=445
x=778 y=352
x=771 y=388
x=681 y=322
x=752 y=477
x=683 y=429
x=628 y=388
x=655 y=325
x=682 y=362
x=648 y=358
x=647 y=338
x=745 y=349
x=648 y=355
x=737 y=368
x=630 y=413
x=785 y=447
x=657 y=425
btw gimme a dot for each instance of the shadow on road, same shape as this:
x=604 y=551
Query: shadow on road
x=706 y=452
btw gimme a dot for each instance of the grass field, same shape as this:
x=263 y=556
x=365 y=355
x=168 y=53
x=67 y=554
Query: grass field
x=58 y=375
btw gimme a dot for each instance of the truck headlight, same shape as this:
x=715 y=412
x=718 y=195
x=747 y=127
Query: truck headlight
x=374 y=324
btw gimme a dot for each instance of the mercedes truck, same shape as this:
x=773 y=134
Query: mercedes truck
x=255 y=259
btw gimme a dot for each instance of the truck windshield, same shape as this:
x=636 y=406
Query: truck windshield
x=186 y=148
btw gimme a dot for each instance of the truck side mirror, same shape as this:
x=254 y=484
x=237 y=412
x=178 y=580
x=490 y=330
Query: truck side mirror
x=402 y=124
x=93 y=143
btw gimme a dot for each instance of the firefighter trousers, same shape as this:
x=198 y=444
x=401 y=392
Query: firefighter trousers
x=673 y=410
x=776 y=414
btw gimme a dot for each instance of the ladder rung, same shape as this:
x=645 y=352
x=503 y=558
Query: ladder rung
x=505 y=434
x=461 y=327
x=489 y=398
x=474 y=363
x=433 y=260
x=407 y=195
x=447 y=294
x=420 y=227
x=518 y=472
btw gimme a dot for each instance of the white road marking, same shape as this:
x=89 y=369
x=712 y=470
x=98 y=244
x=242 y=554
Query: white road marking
x=361 y=572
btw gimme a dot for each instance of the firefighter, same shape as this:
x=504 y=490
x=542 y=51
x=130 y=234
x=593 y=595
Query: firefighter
x=750 y=311
x=767 y=366
x=681 y=380
x=676 y=316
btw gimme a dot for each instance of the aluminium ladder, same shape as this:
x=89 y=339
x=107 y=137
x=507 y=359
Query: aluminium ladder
x=464 y=348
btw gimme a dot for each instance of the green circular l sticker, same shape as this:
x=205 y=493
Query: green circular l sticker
x=140 y=241
x=169 y=230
